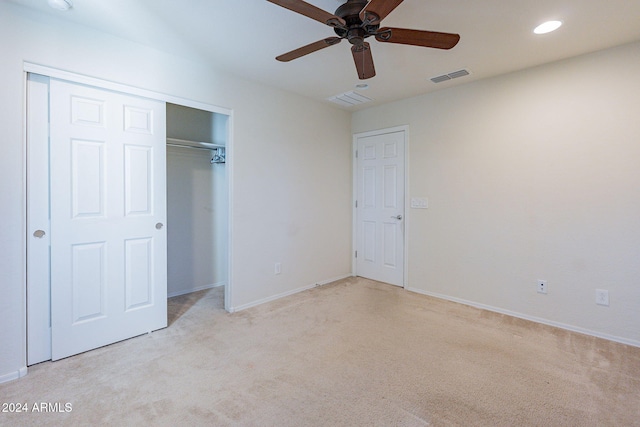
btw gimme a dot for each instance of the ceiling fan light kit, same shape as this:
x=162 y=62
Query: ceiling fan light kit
x=357 y=20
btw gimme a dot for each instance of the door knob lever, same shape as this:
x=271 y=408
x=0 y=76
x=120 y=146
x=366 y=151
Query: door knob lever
x=398 y=217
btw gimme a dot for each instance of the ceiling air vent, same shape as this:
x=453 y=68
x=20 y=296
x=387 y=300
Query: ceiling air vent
x=349 y=99
x=452 y=75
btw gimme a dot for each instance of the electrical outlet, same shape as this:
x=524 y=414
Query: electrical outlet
x=542 y=286
x=602 y=297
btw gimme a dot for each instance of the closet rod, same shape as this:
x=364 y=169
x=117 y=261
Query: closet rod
x=191 y=146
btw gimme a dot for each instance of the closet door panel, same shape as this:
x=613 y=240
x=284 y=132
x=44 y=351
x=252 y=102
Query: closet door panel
x=88 y=180
x=108 y=210
x=138 y=187
x=88 y=281
x=139 y=273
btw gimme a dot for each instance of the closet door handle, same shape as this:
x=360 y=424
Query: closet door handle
x=39 y=234
x=159 y=226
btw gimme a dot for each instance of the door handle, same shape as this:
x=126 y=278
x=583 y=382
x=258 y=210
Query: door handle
x=159 y=226
x=398 y=217
x=39 y=234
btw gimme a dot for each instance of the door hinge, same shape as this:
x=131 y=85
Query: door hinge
x=356 y=254
x=356 y=203
x=356 y=154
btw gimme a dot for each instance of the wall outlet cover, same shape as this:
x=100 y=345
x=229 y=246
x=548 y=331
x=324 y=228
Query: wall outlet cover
x=542 y=286
x=602 y=297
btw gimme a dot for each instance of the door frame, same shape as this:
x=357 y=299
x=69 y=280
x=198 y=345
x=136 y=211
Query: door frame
x=130 y=90
x=354 y=225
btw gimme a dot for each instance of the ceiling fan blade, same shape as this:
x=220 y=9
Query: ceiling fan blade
x=363 y=60
x=376 y=10
x=311 y=11
x=310 y=48
x=418 y=37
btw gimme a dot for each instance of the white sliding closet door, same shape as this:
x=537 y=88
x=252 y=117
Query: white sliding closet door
x=108 y=210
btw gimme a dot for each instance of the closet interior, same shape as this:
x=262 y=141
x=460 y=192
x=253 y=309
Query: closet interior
x=197 y=223
x=197 y=200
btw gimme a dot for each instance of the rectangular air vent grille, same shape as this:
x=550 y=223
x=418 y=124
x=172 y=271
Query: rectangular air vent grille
x=452 y=75
x=442 y=78
x=349 y=99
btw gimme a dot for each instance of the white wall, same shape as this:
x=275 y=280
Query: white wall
x=532 y=175
x=286 y=206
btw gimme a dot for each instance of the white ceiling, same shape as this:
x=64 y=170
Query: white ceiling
x=244 y=37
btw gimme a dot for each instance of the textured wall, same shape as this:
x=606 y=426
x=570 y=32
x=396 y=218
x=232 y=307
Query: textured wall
x=286 y=206
x=531 y=175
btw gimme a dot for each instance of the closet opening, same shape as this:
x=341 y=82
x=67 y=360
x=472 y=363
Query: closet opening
x=134 y=250
x=197 y=201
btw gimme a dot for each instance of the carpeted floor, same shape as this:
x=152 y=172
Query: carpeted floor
x=352 y=353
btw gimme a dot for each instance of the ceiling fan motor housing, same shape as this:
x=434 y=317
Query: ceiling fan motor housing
x=355 y=31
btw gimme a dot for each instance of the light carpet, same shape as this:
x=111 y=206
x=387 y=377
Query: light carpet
x=352 y=353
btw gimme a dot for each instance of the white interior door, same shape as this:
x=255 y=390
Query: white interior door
x=380 y=206
x=108 y=209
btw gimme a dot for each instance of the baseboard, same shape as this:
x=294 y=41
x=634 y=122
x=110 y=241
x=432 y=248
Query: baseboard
x=535 y=319
x=13 y=375
x=288 y=293
x=199 y=288
x=335 y=279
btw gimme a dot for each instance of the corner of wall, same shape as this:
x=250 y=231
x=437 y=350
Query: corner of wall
x=13 y=375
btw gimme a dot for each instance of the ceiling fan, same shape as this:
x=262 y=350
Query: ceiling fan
x=356 y=20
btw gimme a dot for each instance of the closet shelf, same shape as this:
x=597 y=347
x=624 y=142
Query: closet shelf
x=193 y=144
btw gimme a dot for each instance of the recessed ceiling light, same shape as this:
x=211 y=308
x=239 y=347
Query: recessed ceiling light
x=61 y=4
x=547 y=27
